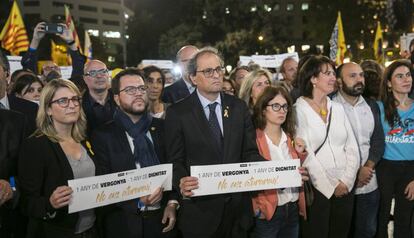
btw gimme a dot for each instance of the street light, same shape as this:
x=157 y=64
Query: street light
x=260 y=38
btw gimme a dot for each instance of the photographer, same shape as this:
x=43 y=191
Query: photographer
x=30 y=59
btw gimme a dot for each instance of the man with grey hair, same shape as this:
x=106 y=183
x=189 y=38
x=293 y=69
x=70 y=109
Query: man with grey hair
x=97 y=101
x=288 y=69
x=183 y=87
x=208 y=128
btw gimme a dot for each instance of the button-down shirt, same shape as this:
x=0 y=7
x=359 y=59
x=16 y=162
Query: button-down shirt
x=205 y=102
x=281 y=152
x=362 y=123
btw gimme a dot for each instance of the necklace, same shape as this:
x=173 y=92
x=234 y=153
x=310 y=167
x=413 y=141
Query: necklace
x=322 y=110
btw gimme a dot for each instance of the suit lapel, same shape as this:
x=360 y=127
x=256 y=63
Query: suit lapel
x=202 y=122
x=63 y=161
x=227 y=125
x=122 y=142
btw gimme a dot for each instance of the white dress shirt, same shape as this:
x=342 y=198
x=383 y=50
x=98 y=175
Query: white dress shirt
x=5 y=102
x=362 y=122
x=338 y=159
x=205 y=102
x=281 y=152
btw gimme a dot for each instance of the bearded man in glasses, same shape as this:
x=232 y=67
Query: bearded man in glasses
x=134 y=140
x=98 y=100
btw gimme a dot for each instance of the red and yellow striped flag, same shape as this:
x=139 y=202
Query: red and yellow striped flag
x=13 y=36
x=71 y=25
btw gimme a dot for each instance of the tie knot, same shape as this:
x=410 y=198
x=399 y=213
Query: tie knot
x=212 y=106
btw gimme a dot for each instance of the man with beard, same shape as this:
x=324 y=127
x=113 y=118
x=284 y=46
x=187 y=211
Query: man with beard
x=134 y=140
x=363 y=114
x=98 y=101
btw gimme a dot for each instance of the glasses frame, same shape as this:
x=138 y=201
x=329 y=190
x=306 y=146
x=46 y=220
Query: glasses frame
x=209 y=72
x=95 y=73
x=276 y=107
x=142 y=89
x=75 y=100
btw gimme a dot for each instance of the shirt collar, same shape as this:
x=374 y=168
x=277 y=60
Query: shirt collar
x=189 y=85
x=283 y=139
x=5 y=101
x=205 y=102
x=342 y=100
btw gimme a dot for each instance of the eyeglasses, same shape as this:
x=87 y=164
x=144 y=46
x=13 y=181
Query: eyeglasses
x=132 y=90
x=209 y=72
x=64 y=102
x=95 y=73
x=276 y=107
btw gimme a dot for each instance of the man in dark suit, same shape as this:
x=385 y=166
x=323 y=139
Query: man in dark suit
x=134 y=140
x=98 y=101
x=12 y=133
x=210 y=128
x=183 y=87
x=11 y=102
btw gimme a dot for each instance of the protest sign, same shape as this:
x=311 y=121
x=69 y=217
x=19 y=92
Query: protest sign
x=118 y=187
x=251 y=176
x=162 y=64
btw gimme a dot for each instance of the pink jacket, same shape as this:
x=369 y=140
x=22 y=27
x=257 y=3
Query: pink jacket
x=266 y=200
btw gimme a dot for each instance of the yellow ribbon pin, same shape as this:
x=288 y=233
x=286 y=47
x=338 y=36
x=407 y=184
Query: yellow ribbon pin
x=89 y=147
x=226 y=112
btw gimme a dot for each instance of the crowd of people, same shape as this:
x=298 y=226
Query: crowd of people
x=350 y=125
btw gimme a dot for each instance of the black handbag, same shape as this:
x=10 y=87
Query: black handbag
x=307 y=185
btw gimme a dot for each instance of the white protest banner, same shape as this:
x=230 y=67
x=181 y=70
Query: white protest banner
x=162 y=64
x=279 y=58
x=265 y=61
x=14 y=62
x=66 y=71
x=251 y=176
x=405 y=41
x=245 y=60
x=118 y=187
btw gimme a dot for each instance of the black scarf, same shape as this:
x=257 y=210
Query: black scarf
x=144 y=152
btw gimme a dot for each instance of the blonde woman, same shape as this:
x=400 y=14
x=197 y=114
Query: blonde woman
x=253 y=85
x=51 y=157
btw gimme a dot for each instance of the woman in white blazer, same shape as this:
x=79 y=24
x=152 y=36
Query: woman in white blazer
x=333 y=159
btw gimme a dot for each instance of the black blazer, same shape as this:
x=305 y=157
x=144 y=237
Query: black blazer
x=29 y=110
x=113 y=154
x=91 y=117
x=175 y=92
x=12 y=133
x=377 y=142
x=190 y=142
x=42 y=168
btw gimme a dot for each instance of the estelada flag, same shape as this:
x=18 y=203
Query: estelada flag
x=378 y=52
x=337 y=42
x=71 y=25
x=13 y=36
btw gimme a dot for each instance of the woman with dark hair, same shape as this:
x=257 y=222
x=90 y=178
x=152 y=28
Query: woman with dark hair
x=229 y=87
x=28 y=86
x=277 y=211
x=395 y=172
x=155 y=80
x=237 y=75
x=56 y=153
x=333 y=155
x=373 y=76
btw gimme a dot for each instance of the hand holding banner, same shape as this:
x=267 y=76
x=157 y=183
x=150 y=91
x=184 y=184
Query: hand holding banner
x=107 y=189
x=252 y=176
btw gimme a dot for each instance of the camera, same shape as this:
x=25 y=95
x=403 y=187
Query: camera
x=53 y=28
